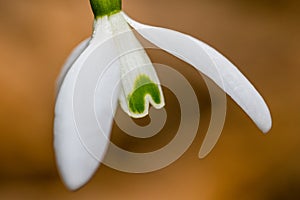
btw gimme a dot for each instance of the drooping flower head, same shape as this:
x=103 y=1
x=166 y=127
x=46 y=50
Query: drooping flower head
x=140 y=86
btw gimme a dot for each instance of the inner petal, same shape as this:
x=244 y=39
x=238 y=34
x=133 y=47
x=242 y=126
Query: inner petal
x=140 y=85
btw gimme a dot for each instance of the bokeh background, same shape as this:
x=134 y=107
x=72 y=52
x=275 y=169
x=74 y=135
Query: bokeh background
x=262 y=37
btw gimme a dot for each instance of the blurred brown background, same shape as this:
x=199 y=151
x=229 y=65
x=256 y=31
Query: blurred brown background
x=262 y=37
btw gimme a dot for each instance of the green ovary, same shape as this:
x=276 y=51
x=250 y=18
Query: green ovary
x=143 y=86
x=105 y=7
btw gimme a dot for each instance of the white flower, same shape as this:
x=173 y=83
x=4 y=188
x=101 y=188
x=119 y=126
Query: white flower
x=75 y=163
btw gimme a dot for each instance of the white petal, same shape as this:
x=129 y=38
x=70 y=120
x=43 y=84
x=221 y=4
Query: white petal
x=70 y=60
x=135 y=64
x=79 y=143
x=212 y=64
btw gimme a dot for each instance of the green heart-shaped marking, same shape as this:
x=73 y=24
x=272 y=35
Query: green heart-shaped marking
x=143 y=86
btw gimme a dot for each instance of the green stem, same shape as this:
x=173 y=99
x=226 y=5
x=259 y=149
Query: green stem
x=105 y=7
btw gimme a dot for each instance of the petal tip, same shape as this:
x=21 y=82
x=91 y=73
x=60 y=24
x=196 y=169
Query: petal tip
x=267 y=126
x=76 y=174
x=73 y=185
x=202 y=154
x=76 y=165
x=265 y=123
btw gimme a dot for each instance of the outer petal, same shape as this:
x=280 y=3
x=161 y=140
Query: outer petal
x=79 y=143
x=212 y=64
x=70 y=60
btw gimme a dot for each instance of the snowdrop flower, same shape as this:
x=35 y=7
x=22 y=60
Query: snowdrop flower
x=141 y=88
